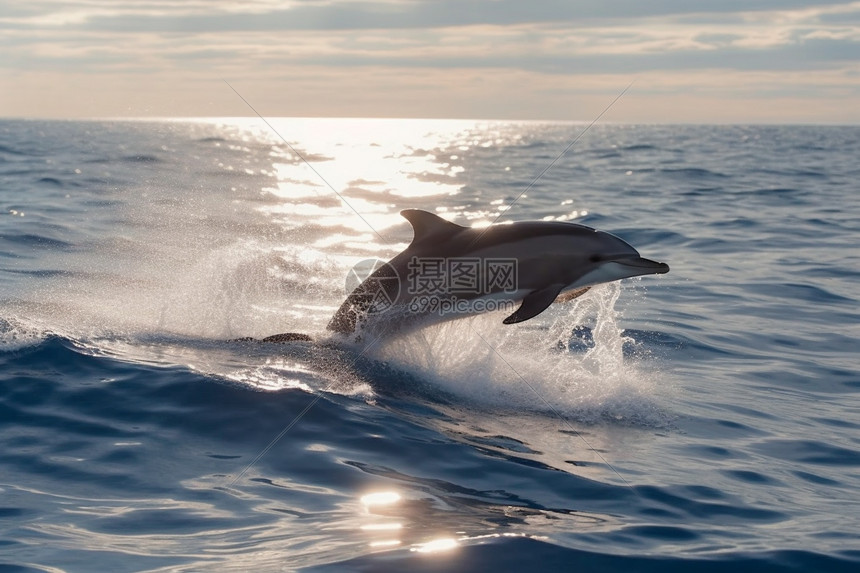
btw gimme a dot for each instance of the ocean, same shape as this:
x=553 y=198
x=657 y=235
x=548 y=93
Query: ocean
x=707 y=419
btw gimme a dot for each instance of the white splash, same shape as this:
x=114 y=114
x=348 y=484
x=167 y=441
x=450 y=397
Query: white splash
x=537 y=365
x=15 y=334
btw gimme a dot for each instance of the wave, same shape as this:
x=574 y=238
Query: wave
x=694 y=173
x=35 y=240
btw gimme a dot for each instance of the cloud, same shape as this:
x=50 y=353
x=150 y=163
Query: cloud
x=566 y=43
x=221 y=15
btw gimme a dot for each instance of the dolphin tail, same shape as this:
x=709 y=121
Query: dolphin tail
x=278 y=338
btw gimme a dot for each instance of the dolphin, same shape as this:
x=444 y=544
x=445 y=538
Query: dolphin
x=472 y=270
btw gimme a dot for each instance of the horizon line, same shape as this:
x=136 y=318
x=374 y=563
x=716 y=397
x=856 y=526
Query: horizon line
x=213 y=118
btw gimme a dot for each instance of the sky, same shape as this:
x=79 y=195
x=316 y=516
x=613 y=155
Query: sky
x=732 y=61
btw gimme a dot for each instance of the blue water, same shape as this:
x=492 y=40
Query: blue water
x=707 y=419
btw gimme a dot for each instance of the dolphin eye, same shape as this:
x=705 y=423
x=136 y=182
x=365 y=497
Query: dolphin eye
x=595 y=258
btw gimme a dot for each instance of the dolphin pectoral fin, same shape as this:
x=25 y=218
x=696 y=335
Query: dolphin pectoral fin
x=426 y=225
x=535 y=303
x=568 y=296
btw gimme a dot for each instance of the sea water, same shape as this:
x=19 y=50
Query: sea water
x=706 y=419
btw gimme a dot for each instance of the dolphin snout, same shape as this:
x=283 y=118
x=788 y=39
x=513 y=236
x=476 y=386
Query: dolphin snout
x=640 y=263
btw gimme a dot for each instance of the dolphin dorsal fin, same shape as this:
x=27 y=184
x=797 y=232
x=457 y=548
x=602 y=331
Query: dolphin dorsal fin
x=427 y=225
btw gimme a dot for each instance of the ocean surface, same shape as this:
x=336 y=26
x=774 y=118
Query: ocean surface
x=703 y=420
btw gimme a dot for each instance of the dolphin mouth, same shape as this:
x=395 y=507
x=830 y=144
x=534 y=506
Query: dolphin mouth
x=643 y=265
x=621 y=268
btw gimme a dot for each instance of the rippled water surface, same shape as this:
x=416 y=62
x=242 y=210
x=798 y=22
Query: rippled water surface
x=707 y=419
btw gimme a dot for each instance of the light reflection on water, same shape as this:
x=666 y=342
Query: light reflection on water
x=378 y=499
x=437 y=545
x=379 y=506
